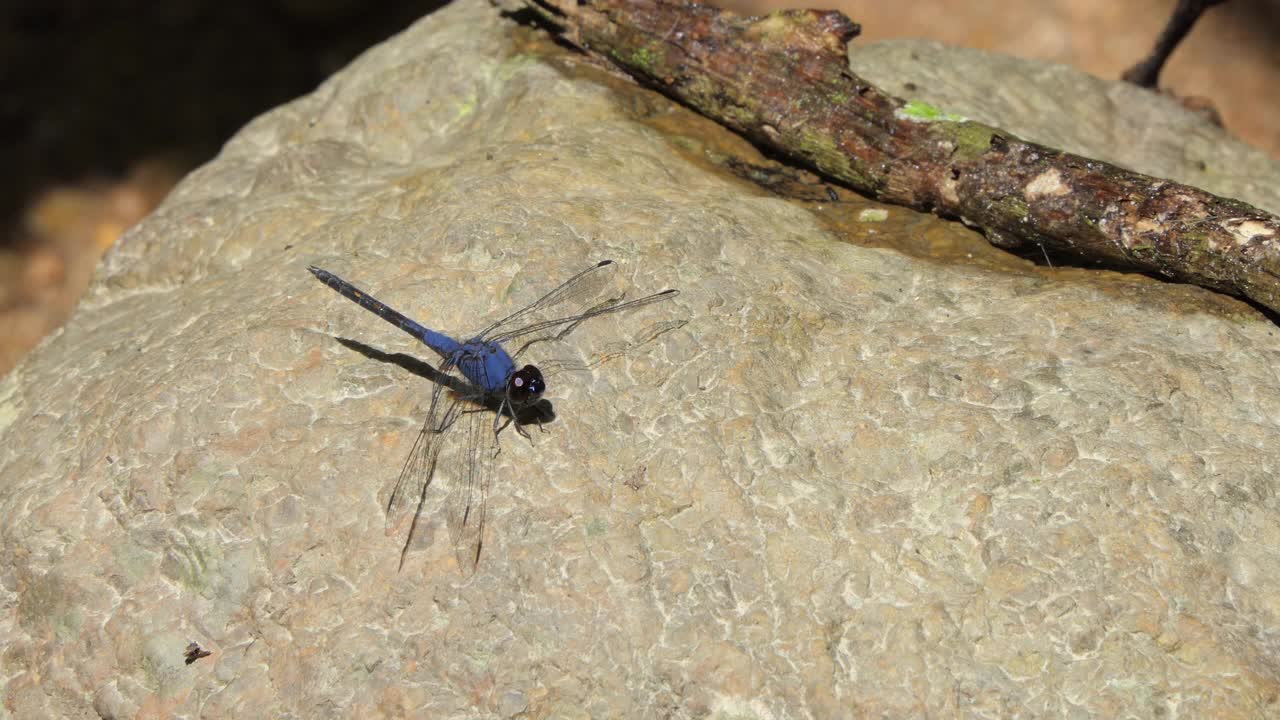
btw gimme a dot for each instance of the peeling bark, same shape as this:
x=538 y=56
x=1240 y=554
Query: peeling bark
x=784 y=82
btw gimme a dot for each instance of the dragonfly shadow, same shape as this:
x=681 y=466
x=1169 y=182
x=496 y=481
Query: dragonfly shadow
x=541 y=412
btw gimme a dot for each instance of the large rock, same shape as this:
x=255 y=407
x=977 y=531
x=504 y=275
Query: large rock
x=855 y=483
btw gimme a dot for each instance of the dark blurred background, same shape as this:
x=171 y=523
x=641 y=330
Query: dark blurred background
x=105 y=104
x=89 y=89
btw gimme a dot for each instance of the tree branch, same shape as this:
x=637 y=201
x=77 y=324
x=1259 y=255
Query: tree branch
x=783 y=81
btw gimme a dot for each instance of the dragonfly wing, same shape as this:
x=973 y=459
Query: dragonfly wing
x=557 y=328
x=555 y=365
x=471 y=463
x=408 y=495
x=581 y=291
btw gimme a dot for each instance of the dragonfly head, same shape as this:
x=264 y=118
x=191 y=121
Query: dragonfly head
x=525 y=386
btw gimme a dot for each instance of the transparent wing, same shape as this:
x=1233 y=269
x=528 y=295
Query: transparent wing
x=572 y=296
x=471 y=462
x=451 y=398
x=555 y=329
x=410 y=491
x=555 y=365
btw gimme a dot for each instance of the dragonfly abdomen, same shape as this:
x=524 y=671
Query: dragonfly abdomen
x=444 y=345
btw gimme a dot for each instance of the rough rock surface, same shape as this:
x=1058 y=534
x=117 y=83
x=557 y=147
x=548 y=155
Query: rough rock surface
x=854 y=484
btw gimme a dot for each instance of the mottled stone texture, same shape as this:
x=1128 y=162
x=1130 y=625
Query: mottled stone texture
x=855 y=484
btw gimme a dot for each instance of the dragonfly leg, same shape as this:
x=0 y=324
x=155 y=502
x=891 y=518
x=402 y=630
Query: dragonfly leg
x=523 y=433
x=498 y=425
x=506 y=415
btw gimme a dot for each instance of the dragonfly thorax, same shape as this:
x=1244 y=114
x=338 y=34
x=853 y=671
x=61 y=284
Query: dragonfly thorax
x=525 y=385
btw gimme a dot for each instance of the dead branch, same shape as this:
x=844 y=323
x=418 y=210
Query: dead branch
x=783 y=81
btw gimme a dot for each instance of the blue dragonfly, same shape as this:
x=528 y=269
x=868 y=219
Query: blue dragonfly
x=480 y=377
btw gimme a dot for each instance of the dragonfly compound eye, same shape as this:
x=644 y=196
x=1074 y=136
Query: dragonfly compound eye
x=526 y=384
